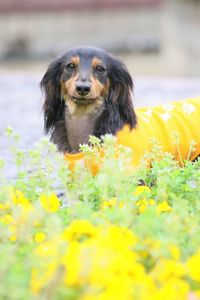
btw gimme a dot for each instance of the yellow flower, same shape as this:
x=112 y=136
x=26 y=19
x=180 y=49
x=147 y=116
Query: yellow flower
x=193 y=266
x=163 y=207
x=18 y=198
x=173 y=289
x=13 y=238
x=72 y=262
x=50 y=202
x=113 y=202
x=174 y=251
x=141 y=189
x=7 y=219
x=98 y=260
x=39 y=237
x=142 y=205
x=109 y=203
x=120 y=287
x=41 y=278
x=4 y=206
x=36 y=283
x=121 y=205
x=119 y=236
x=151 y=202
x=78 y=229
x=13 y=232
x=168 y=268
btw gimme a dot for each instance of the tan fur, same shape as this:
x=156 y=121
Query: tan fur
x=75 y=60
x=68 y=88
x=96 y=61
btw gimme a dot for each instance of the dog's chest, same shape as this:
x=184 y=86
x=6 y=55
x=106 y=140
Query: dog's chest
x=78 y=130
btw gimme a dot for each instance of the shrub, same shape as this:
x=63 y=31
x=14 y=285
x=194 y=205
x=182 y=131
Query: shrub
x=67 y=234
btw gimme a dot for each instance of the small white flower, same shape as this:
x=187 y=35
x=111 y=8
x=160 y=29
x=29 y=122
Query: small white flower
x=148 y=112
x=188 y=108
x=168 y=107
x=166 y=116
x=192 y=184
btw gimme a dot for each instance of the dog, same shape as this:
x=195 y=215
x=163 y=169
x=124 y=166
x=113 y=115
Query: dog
x=87 y=91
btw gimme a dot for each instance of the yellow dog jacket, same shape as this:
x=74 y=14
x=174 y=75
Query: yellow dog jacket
x=181 y=118
x=164 y=122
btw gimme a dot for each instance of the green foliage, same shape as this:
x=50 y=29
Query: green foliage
x=111 y=196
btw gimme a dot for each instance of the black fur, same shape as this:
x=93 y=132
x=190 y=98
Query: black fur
x=118 y=105
x=53 y=105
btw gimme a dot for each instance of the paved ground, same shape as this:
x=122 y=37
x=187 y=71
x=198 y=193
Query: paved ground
x=21 y=103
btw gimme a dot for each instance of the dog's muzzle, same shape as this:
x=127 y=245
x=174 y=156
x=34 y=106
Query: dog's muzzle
x=83 y=88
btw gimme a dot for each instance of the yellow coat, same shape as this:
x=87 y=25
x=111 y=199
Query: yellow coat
x=176 y=126
x=179 y=119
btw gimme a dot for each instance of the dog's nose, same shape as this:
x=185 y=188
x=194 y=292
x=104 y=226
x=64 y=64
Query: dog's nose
x=83 y=88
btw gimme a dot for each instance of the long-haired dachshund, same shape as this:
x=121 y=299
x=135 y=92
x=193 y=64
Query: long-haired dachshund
x=87 y=92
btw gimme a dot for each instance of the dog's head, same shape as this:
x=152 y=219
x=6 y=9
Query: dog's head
x=87 y=77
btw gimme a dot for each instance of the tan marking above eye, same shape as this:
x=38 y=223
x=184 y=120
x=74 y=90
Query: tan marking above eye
x=97 y=62
x=75 y=60
x=73 y=63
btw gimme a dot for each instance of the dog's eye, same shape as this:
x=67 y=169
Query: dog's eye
x=100 y=69
x=70 y=66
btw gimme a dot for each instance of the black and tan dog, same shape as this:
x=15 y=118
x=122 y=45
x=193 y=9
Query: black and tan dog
x=88 y=92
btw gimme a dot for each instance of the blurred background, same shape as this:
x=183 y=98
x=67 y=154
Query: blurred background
x=159 y=40
x=156 y=37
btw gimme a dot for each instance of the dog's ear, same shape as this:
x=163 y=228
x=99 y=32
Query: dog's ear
x=121 y=88
x=53 y=105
